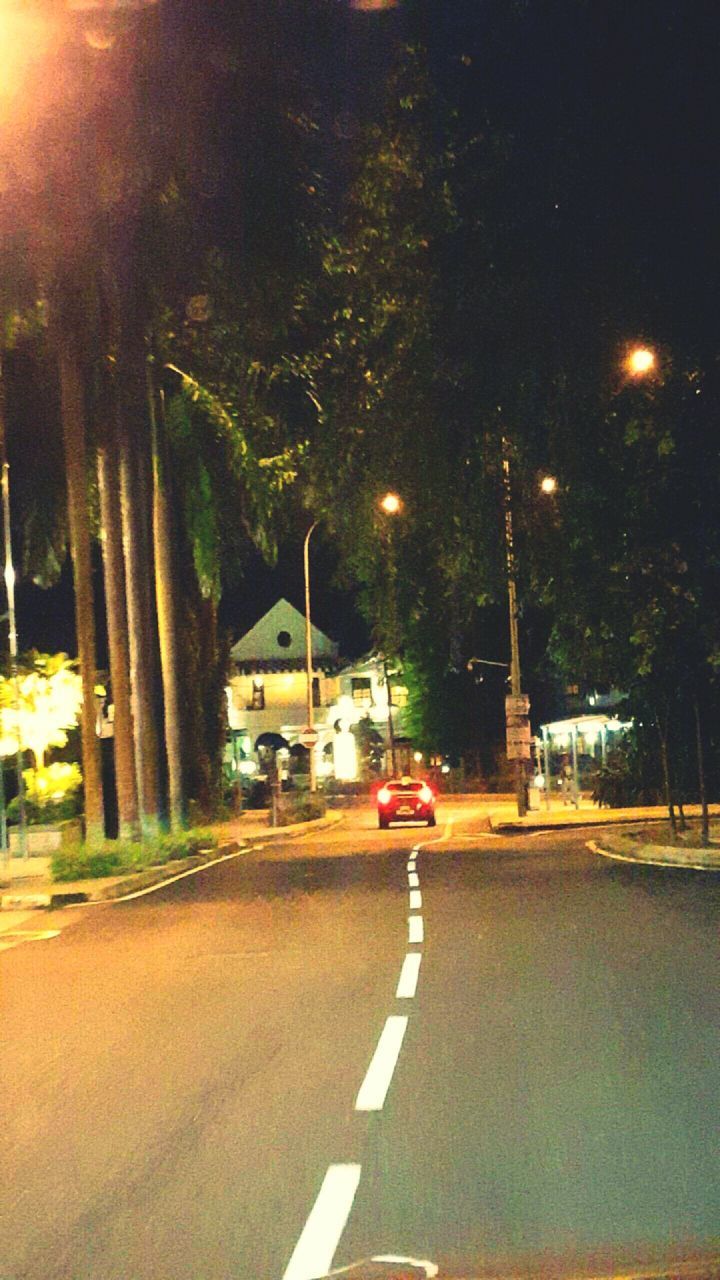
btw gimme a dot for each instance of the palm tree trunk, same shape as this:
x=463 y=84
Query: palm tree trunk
x=73 y=423
x=117 y=627
x=705 y=818
x=166 y=614
x=134 y=497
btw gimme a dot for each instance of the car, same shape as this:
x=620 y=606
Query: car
x=405 y=800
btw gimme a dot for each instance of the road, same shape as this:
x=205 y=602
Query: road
x=180 y=1073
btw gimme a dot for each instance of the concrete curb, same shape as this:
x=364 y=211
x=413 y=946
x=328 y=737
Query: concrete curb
x=511 y=827
x=659 y=855
x=296 y=829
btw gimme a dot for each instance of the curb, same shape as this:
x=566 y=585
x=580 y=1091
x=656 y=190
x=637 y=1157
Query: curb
x=516 y=828
x=120 y=886
x=296 y=829
x=670 y=862
x=58 y=897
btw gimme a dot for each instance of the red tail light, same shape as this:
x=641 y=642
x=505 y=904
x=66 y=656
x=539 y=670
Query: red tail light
x=383 y=796
x=426 y=794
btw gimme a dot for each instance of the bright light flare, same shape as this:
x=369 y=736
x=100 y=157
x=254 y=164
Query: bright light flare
x=640 y=361
x=391 y=504
x=426 y=794
x=548 y=484
x=24 y=39
x=384 y=796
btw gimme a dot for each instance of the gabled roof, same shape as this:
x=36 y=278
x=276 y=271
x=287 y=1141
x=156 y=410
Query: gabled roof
x=277 y=642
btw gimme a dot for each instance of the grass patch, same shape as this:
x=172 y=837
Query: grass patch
x=122 y=857
x=661 y=833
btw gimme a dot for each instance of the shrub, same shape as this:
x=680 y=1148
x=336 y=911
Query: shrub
x=52 y=794
x=120 y=857
x=301 y=808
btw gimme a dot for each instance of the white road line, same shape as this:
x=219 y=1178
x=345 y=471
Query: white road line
x=313 y=1254
x=193 y=871
x=415 y=929
x=409 y=974
x=374 y=1087
x=17 y=938
x=413 y=879
x=415 y=900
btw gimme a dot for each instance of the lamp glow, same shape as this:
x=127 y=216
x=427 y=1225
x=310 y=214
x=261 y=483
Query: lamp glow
x=391 y=504
x=640 y=361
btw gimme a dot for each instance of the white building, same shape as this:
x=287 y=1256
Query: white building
x=267 y=691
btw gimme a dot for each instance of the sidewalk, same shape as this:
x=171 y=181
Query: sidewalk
x=619 y=846
x=26 y=884
x=504 y=816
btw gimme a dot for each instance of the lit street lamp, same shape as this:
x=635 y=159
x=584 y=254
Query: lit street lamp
x=391 y=504
x=640 y=361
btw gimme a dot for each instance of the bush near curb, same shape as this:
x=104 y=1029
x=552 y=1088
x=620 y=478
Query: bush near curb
x=122 y=857
x=302 y=808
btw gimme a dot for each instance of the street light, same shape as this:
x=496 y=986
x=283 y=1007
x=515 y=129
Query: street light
x=308 y=657
x=391 y=503
x=640 y=361
x=548 y=484
x=519 y=718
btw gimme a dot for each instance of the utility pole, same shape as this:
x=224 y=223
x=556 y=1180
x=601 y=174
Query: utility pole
x=516 y=717
x=391 y=727
x=12 y=625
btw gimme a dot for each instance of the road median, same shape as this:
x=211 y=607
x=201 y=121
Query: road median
x=632 y=847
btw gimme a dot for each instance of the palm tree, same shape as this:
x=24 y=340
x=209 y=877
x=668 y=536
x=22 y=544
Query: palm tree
x=72 y=408
x=117 y=629
x=166 y=608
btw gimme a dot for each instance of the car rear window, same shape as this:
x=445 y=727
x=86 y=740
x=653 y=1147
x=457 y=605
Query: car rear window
x=405 y=786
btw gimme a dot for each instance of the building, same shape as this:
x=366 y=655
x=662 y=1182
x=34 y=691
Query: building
x=267 y=695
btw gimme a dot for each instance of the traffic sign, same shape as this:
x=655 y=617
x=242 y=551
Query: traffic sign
x=308 y=736
x=517 y=704
x=518 y=739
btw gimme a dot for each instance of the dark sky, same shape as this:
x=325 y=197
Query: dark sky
x=631 y=89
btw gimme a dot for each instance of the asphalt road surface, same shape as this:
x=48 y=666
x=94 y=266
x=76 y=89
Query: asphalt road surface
x=243 y=1075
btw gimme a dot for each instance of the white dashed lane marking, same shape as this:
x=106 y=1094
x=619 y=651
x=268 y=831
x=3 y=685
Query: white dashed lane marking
x=314 y=1252
x=415 y=929
x=415 y=900
x=409 y=975
x=413 y=879
x=374 y=1087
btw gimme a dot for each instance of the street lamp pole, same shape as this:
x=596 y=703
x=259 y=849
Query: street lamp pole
x=308 y=655
x=515 y=676
x=9 y=574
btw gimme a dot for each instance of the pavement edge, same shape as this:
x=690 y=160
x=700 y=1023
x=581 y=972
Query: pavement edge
x=118 y=887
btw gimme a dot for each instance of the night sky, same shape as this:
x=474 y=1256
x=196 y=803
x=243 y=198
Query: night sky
x=632 y=85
